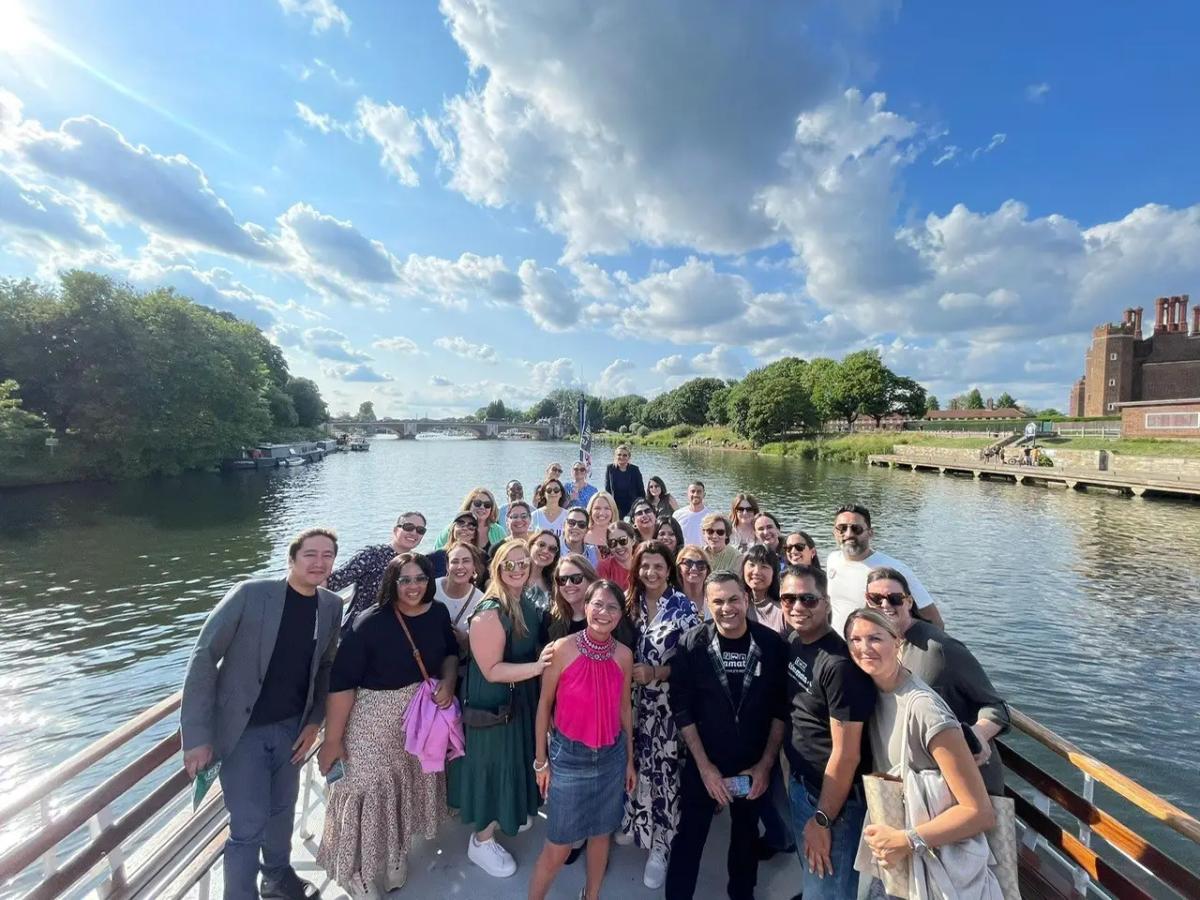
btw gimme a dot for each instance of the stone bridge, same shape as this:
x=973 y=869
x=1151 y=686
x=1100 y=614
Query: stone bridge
x=410 y=428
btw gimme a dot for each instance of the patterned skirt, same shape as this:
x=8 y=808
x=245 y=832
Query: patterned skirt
x=384 y=800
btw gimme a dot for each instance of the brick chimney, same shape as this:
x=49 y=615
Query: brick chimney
x=1160 y=315
x=1196 y=321
x=1181 y=317
x=1137 y=322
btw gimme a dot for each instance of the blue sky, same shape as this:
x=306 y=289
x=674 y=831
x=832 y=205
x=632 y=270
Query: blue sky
x=430 y=206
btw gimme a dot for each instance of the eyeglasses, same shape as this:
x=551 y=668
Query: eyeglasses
x=618 y=542
x=481 y=504
x=464 y=523
x=410 y=528
x=577 y=523
x=405 y=580
x=693 y=564
x=561 y=580
x=895 y=599
x=598 y=605
x=517 y=565
x=852 y=527
x=791 y=547
x=808 y=601
x=519 y=516
x=719 y=532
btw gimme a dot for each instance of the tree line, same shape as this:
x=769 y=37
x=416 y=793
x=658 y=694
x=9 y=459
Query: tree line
x=788 y=396
x=141 y=382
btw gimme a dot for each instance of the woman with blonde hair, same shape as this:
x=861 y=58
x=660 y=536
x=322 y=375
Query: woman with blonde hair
x=572 y=577
x=481 y=504
x=602 y=512
x=494 y=785
x=742 y=512
x=692 y=566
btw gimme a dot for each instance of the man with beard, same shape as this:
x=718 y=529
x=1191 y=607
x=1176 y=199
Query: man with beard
x=849 y=566
x=831 y=700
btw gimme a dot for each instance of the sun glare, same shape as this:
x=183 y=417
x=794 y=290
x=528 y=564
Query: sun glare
x=17 y=31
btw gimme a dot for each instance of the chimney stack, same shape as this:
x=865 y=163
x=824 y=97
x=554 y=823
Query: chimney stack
x=1173 y=314
x=1196 y=321
x=1181 y=318
x=1160 y=315
x=1137 y=322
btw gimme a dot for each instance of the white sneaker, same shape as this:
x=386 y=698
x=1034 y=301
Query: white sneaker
x=655 y=875
x=491 y=857
x=528 y=824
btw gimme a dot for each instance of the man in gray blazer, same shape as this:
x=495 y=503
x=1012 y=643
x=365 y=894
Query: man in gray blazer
x=254 y=699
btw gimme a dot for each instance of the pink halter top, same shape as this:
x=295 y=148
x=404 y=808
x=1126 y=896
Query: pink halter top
x=587 y=708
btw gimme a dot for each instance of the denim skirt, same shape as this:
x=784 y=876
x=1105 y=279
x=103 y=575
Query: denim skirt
x=587 y=789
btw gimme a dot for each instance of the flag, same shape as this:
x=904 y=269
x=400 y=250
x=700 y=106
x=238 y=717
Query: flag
x=585 y=434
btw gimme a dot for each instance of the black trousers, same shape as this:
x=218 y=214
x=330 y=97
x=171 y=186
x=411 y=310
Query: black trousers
x=696 y=810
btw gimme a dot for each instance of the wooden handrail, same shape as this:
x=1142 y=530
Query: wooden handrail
x=60 y=774
x=1119 y=835
x=1163 y=810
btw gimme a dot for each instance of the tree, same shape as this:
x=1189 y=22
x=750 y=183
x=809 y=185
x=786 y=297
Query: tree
x=543 y=409
x=1006 y=401
x=623 y=411
x=496 y=411
x=772 y=401
x=902 y=396
x=366 y=412
x=19 y=428
x=974 y=399
x=718 y=406
x=283 y=409
x=306 y=399
x=931 y=404
x=1048 y=413
x=688 y=403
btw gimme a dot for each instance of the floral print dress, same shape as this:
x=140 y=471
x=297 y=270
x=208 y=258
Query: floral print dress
x=652 y=811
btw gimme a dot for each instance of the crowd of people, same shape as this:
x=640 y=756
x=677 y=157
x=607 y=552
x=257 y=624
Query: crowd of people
x=629 y=665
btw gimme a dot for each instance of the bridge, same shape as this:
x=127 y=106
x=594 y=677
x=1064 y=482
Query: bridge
x=546 y=430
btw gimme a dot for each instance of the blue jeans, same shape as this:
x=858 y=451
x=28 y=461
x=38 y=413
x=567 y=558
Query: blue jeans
x=260 y=786
x=845 y=834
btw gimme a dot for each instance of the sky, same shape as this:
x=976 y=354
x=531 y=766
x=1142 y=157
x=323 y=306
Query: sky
x=434 y=205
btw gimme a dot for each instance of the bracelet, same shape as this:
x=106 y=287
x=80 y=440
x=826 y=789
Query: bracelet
x=916 y=843
x=542 y=766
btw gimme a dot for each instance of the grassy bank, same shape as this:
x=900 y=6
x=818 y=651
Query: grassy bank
x=715 y=436
x=1127 y=446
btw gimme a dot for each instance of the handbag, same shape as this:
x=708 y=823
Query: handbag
x=473 y=717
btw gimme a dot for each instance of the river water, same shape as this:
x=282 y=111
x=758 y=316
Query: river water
x=1082 y=607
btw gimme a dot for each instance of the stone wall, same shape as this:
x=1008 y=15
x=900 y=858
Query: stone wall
x=1158 y=468
x=934 y=456
x=1073 y=459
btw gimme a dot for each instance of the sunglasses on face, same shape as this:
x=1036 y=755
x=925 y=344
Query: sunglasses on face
x=693 y=564
x=481 y=504
x=808 y=601
x=546 y=548
x=464 y=523
x=852 y=527
x=644 y=511
x=719 y=532
x=519 y=516
x=410 y=528
x=561 y=580
x=576 y=523
x=894 y=599
x=618 y=542
x=749 y=509
x=796 y=547
x=553 y=490
x=405 y=580
x=515 y=565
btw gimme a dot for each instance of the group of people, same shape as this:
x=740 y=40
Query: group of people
x=630 y=665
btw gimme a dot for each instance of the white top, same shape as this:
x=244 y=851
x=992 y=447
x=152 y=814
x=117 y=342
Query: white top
x=848 y=583
x=689 y=522
x=461 y=609
x=542 y=521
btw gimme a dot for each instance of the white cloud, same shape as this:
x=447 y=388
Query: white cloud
x=345 y=81
x=550 y=375
x=45 y=216
x=948 y=153
x=460 y=346
x=547 y=298
x=322 y=122
x=457 y=282
x=398 y=344
x=394 y=130
x=721 y=361
x=335 y=249
x=1036 y=93
x=615 y=381
x=323 y=14
x=997 y=139
x=356 y=372
x=328 y=343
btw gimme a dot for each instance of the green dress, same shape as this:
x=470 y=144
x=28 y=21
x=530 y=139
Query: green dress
x=494 y=782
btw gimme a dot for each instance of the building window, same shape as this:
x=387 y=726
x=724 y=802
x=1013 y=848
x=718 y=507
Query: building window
x=1112 y=356
x=1112 y=406
x=1112 y=382
x=1175 y=420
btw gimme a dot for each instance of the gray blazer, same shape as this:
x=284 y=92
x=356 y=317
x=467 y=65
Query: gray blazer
x=226 y=669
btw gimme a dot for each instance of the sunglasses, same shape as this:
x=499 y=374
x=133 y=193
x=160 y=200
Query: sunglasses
x=548 y=548
x=791 y=547
x=644 y=511
x=693 y=564
x=577 y=523
x=410 y=528
x=464 y=523
x=405 y=580
x=895 y=599
x=852 y=527
x=519 y=565
x=808 y=601
x=747 y=509
x=618 y=542
x=553 y=490
x=481 y=504
x=719 y=532
x=519 y=516
x=561 y=580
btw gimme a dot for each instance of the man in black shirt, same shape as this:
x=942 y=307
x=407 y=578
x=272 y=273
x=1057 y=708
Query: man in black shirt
x=729 y=701
x=254 y=700
x=831 y=699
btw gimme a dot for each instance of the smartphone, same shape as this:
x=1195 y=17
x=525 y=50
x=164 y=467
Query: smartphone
x=738 y=786
x=336 y=771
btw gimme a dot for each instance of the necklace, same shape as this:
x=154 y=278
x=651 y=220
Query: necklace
x=596 y=650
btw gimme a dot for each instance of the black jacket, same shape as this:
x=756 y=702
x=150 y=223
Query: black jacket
x=734 y=739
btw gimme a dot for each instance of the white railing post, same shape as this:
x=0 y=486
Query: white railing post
x=304 y=831
x=50 y=859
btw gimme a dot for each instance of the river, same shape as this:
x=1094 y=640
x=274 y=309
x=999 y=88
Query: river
x=1080 y=606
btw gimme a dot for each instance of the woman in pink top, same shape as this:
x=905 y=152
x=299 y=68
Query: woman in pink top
x=589 y=767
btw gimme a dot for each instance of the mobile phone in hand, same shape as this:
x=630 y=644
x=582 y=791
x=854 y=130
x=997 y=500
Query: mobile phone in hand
x=336 y=771
x=738 y=786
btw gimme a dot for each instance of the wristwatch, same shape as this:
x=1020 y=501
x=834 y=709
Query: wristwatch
x=916 y=843
x=823 y=820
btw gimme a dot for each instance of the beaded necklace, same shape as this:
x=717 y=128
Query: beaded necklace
x=600 y=652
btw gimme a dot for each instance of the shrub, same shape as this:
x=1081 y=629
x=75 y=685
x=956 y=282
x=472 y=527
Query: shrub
x=624 y=429
x=641 y=431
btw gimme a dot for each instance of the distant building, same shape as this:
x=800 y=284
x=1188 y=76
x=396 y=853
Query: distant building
x=1161 y=418
x=1004 y=412
x=1123 y=367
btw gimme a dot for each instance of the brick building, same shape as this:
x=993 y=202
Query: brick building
x=1161 y=419
x=1123 y=367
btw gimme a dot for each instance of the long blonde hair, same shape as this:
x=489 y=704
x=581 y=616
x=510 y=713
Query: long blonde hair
x=612 y=504
x=496 y=590
x=493 y=513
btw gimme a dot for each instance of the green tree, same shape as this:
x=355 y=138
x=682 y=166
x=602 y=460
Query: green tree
x=772 y=401
x=1048 y=412
x=306 y=400
x=19 y=428
x=688 y=403
x=658 y=412
x=718 y=406
x=543 y=409
x=496 y=411
x=624 y=410
x=1006 y=401
x=282 y=408
x=931 y=404
x=366 y=412
x=974 y=399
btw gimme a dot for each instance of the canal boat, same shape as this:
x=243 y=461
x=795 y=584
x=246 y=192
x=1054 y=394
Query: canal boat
x=136 y=833
x=360 y=445
x=275 y=456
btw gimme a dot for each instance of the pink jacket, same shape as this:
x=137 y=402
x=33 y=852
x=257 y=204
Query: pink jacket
x=433 y=735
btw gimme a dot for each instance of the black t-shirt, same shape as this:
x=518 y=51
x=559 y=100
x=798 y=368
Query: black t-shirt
x=376 y=654
x=734 y=656
x=284 y=692
x=823 y=684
